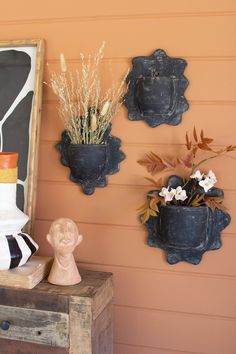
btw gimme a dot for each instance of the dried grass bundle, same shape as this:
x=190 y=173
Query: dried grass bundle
x=85 y=111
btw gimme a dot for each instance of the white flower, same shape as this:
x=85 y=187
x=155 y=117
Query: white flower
x=205 y=181
x=168 y=195
x=211 y=176
x=180 y=194
x=198 y=175
x=206 y=184
x=209 y=181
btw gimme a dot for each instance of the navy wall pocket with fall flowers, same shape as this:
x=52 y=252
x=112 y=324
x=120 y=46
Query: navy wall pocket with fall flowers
x=185 y=217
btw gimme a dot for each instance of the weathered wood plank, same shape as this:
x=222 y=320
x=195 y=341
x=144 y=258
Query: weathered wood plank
x=92 y=285
x=14 y=347
x=47 y=209
x=36 y=300
x=132 y=173
x=82 y=317
x=103 y=297
x=36 y=11
x=35 y=326
x=80 y=329
x=205 y=113
x=86 y=306
x=102 y=332
x=113 y=254
x=217 y=31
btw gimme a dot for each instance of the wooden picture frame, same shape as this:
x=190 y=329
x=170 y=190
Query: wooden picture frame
x=21 y=80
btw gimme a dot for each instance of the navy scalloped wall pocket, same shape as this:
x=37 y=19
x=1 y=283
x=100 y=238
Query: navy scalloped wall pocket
x=156 y=89
x=90 y=164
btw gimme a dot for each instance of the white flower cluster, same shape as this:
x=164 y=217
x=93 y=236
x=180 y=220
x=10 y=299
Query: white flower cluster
x=178 y=193
x=205 y=181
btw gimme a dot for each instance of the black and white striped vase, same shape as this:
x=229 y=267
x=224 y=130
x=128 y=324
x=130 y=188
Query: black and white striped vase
x=16 y=247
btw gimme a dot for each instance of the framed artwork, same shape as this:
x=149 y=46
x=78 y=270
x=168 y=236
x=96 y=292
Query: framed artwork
x=21 y=72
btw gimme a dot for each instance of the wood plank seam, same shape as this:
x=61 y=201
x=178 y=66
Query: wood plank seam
x=160 y=348
x=131 y=17
x=162 y=271
x=178 y=313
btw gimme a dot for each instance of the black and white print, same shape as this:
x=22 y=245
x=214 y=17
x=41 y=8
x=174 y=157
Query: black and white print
x=17 y=76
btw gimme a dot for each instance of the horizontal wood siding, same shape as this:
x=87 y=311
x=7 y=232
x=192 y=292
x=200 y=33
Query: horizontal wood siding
x=159 y=309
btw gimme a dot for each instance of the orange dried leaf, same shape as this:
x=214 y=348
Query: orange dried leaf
x=141 y=212
x=197 y=200
x=230 y=148
x=207 y=140
x=194 y=151
x=143 y=208
x=204 y=146
x=159 y=182
x=195 y=135
x=170 y=163
x=204 y=139
x=188 y=142
x=152 y=212
x=186 y=161
x=202 y=135
x=218 y=199
x=155 y=156
x=153 y=163
x=151 y=195
x=215 y=203
x=153 y=205
x=146 y=216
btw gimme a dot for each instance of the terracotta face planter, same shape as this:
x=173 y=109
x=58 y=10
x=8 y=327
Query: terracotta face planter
x=16 y=247
x=90 y=164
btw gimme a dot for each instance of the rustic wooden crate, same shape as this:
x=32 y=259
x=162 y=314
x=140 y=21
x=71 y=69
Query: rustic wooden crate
x=53 y=319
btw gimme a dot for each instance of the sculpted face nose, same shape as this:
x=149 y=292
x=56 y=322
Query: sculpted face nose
x=66 y=237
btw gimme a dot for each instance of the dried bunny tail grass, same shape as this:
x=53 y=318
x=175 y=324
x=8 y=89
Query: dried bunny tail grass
x=110 y=105
x=86 y=113
x=105 y=108
x=63 y=63
x=93 y=124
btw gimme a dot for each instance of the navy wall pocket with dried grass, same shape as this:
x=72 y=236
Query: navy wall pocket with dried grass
x=87 y=109
x=156 y=89
x=91 y=163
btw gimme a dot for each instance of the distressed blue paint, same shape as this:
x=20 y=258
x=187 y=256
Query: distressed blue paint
x=90 y=164
x=156 y=89
x=186 y=233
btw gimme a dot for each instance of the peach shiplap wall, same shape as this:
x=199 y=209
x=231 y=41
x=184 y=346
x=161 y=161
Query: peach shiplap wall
x=158 y=308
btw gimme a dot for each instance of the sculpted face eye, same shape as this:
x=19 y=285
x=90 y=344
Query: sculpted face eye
x=71 y=228
x=57 y=228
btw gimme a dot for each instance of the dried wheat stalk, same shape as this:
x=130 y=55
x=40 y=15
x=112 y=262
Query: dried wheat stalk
x=85 y=112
